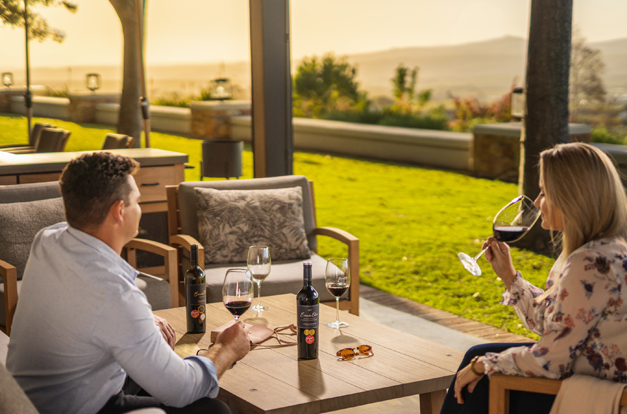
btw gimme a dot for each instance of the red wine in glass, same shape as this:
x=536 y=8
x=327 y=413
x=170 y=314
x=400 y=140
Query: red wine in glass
x=509 y=234
x=238 y=307
x=337 y=279
x=237 y=291
x=337 y=289
x=510 y=224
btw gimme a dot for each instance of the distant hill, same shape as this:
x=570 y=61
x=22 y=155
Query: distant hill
x=486 y=69
x=482 y=68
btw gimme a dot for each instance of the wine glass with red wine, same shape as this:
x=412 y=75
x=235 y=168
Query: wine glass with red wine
x=509 y=225
x=337 y=279
x=237 y=291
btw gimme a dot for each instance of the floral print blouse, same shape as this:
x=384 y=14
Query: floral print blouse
x=582 y=323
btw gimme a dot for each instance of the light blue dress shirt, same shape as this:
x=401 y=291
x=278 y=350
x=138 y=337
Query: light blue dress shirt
x=81 y=326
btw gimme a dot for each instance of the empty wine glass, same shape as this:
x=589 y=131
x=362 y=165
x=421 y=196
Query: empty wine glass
x=237 y=291
x=510 y=224
x=259 y=266
x=337 y=279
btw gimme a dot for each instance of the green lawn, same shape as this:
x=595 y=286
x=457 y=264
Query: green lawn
x=411 y=221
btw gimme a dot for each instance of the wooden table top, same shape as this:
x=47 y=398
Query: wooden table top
x=273 y=380
x=55 y=161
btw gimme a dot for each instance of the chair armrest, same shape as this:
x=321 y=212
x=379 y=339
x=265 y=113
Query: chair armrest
x=169 y=258
x=185 y=241
x=150 y=246
x=337 y=234
x=353 y=260
x=9 y=276
x=500 y=385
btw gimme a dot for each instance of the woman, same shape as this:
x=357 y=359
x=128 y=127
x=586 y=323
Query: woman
x=581 y=316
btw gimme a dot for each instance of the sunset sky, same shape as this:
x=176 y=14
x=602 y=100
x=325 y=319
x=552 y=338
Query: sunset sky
x=217 y=30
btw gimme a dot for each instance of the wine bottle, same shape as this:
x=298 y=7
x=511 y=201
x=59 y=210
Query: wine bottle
x=307 y=308
x=195 y=295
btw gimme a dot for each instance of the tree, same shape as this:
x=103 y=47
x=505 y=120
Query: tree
x=546 y=114
x=586 y=68
x=404 y=90
x=12 y=13
x=129 y=121
x=324 y=85
x=400 y=86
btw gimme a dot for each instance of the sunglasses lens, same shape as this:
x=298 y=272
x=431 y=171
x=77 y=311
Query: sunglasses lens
x=346 y=353
x=365 y=349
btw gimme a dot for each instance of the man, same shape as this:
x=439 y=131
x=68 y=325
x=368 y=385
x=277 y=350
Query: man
x=82 y=327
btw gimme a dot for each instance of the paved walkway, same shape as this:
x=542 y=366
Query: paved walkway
x=426 y=322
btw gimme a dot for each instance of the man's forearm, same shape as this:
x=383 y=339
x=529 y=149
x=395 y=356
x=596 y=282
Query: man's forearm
x=221 y=356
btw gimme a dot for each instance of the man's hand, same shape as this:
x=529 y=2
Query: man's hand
x=166 y=330
x=231 y=345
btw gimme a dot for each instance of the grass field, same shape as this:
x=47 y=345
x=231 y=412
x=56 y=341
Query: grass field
x=411 y=221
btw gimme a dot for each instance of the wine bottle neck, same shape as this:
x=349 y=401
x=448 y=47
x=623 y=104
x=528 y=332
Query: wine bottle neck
x=307 y=278
x=193 y=256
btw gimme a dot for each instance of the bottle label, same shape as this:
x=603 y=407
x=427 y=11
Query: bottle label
x=196 y=299
x=308 y=316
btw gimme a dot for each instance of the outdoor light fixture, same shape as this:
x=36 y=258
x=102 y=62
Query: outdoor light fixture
x=93 y=81
x=221 y=89
x=7 y=79
x=517 y=103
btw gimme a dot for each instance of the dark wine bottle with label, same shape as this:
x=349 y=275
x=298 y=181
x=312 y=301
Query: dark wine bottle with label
x=195 y=295
x=307 y=311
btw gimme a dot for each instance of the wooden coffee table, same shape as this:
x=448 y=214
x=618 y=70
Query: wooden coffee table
x=272 y=380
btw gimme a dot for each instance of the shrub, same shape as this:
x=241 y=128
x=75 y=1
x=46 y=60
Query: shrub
x=393 y=116
x=602 y=135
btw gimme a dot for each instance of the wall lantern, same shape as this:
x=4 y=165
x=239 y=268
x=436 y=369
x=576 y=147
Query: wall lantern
x=221 y=89
x=93 y=81
x=517 y=103
x=7 y=79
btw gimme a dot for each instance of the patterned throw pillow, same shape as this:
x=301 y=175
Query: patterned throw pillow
x=230 y=221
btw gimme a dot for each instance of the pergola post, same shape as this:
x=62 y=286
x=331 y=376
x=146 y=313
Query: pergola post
x=271 y=88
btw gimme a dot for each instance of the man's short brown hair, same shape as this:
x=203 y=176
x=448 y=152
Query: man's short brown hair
x=91 y=183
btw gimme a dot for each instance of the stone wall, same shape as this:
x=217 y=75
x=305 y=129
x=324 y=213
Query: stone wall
x=211 y=119
x=82 y=107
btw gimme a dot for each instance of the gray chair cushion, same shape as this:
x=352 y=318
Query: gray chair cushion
x=157 y=290
x=230 y=221
x=20 y=223
x=285 y=277
x=3 y=316
x=187 y=200
x=12 y=398
x=4 y=348
x=29 y=192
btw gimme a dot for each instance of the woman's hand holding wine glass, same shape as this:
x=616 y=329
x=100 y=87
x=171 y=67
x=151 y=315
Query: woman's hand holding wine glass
x=497 y=253
x=510 y=224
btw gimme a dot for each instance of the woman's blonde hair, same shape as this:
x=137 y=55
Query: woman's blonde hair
x=581 y=181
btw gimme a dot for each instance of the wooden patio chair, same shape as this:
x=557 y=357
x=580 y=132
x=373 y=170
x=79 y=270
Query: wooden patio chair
x=35 y=133
x=286 y=276
x=50 y=140
x=117 y=141
x=25 y=209
x=501 y=385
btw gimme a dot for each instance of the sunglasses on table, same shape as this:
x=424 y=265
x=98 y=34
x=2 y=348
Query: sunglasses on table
x=350 y=353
